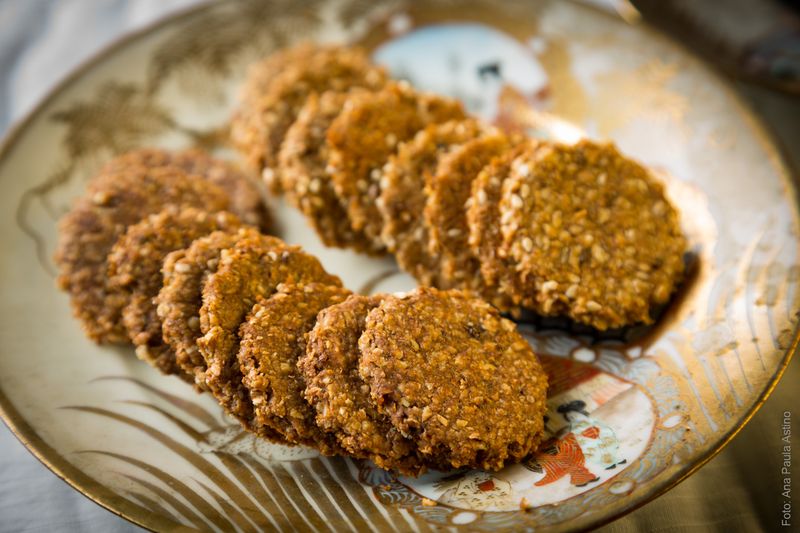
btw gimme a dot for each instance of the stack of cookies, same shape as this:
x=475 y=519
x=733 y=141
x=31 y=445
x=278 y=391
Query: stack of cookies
x=166 y=252
x=427 y=379
x=138 y=208
x=577 y=231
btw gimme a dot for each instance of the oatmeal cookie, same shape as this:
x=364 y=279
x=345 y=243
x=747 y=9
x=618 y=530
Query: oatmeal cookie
x=455 y=376
x=590 y=234
x=115 y=200
x=483 y=214
x=339 y=395
x=402 y=196
x=278 y=88
x=248 y=272
x=245 y=198
x=181 y=296
x=134 y=269
x=272 y=339
x=305 y=181
x=366 y=133
x=448 y=193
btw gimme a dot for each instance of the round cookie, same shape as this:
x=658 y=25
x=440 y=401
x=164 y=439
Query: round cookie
x=246 y=124
x=115 y=200
x=483 y=214
x=339 y=395
x=448 y=194
x=248 y=272
x=402 y=198
x=456 y=377
x=278 y=90
x=261 y=73
x=245 y=198
x=366 y=133
x=305 y=181
x=273 y=338
x=591 y=235
x=134 y=269
x=181 y=296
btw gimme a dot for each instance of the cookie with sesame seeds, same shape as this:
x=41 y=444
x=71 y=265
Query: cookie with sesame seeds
x=454 y=376
x=483 y=215
x=277 y=88
x=366 y=133
x=134 y=269
x=249 y=271
x=116 y=199
x=273 y=338
x=181 y=296
x=245 y=198
x=341 y=398
x=305 y=181
x=448 y=193
x=591 y=235
x=402 y=198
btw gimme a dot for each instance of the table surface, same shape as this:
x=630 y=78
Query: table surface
x=41 y=41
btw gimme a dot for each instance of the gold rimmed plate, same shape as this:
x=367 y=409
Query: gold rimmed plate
x=631 y=414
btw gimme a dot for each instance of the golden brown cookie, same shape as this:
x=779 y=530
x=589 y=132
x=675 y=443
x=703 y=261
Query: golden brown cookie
x=273 y=338
x=134 y=269
x=339 y=395
x=591 y=235
x=448 y=193
x=366 y=133
x=181 y=296
x=115 y=200
x=456 y=377
x=483 y=215
x=305 y=180
x=248 y=272
x=279 y=87
x=402 y=198
x=245 y=197
x=247 y=126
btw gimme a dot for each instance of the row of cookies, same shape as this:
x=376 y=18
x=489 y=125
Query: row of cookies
x=430 y=379
x=299 y=359
x=109 y=297
x=578 y=231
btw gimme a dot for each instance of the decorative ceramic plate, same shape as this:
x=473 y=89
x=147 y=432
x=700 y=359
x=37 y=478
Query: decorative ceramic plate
x=631 y=414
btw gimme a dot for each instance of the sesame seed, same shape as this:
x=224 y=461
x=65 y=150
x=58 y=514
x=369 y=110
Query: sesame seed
x=527 y=244
x=100 y=198
x=549 y=285
x=571 y=291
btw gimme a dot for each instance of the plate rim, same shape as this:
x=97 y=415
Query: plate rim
x=102 y=496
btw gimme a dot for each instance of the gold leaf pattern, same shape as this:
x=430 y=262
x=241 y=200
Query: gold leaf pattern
x=119 y=118
x=211 y=43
